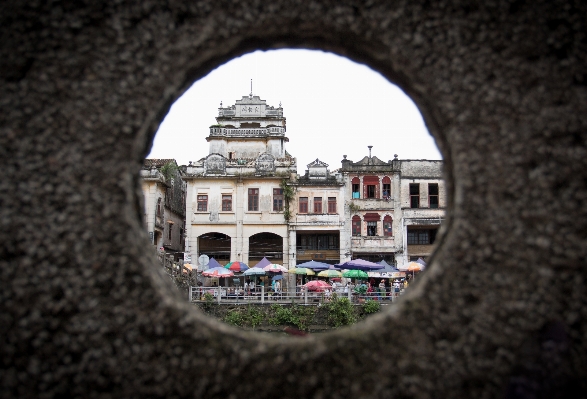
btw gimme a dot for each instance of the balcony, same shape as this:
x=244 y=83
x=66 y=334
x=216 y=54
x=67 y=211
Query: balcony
x=373 y=243
x=317 y=220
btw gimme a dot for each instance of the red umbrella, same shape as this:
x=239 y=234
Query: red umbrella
x=317 y=285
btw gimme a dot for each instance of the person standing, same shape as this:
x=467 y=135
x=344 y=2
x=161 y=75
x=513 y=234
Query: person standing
x=382 y=289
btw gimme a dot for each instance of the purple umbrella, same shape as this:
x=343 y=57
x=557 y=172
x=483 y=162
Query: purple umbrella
x=314 y=265
x=360 y=264
x=263 y=262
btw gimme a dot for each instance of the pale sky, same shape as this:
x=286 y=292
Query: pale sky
x=333 y=107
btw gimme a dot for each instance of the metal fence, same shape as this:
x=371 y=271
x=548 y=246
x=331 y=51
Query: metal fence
x=236 y=295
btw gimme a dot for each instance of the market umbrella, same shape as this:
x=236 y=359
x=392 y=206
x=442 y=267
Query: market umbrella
x=213 y=263
x=360 y=264
x=330 y=273
x=302 y=270
x=422 y=262
x=314 y=265
x=254 y=271
x=277 y=277
x=317 y=285
x=355 y=274
x=412 y=267
x=217 y=272
x=187 y=268
x=237 y=266
x=263 y=262
x=274 y=268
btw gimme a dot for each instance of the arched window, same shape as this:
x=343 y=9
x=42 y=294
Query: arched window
x=386 y=182
x=356 y=184
x=372 y=220
x=370 y=187
x=387 y=226
x=356 y=225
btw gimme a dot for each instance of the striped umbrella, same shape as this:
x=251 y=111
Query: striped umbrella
x=302 y=271
x=237 y=266
x=330 y=273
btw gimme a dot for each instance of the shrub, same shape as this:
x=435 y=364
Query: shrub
x=300 y=317
x=340 y=312
x=370 y=306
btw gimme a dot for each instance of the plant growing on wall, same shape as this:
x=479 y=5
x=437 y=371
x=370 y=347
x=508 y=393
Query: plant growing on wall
x=288 y=194
x=354 y=208
x=169 y=170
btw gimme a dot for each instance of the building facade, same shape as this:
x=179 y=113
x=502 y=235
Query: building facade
x=394 y=208
x=164 y=193
x=235 y=202
x=245 y=201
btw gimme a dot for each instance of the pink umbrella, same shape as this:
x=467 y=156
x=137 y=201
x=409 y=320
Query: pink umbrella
x=317 y=285
x=273 y=268
x=218 y=272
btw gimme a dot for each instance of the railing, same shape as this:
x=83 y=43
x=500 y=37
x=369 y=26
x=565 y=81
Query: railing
x=236 y=295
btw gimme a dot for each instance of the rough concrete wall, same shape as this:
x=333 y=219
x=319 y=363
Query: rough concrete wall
x=502 y=310
x=421 y=168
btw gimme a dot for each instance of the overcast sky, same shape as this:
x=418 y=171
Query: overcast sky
x=333 y=106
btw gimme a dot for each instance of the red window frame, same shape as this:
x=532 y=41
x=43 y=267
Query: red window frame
x=317 y=204
x=356 y=226
x=387 y=226
x=226 y=202
x=331 y=204
x=303 y=205
x=202 y=203
x=253 y=199
x=277 y=200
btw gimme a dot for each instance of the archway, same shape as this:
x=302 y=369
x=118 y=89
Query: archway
x=215 y=245
x=268 y=245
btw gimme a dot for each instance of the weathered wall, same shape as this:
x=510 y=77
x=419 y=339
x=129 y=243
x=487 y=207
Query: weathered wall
x=502 y=310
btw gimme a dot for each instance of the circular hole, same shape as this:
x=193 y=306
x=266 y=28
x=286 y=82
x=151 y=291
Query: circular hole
x=352 y=198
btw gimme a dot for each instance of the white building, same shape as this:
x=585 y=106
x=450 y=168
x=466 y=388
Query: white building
x=235 y=204
x=237 y=209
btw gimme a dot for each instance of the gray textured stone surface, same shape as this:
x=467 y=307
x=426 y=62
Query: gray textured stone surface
x=501 y=311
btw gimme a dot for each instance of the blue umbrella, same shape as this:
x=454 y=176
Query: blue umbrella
x=314 y=265
x=360 y=264
x=277 y=277
x=387 y=268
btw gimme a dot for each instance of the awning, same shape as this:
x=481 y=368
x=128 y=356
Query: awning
x=372 y=217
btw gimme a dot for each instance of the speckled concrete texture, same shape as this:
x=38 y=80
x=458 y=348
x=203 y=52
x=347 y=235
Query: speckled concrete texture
x=501 y=312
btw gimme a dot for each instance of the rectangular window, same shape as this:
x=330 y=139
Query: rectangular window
x=415 y=195
x=370 y=191
x=387 y=230
x=356 y=226
x=226 y=203
x=386 y=190
x=371 y=229
x=202 y=203
x=433 y=195
x=169 y=231
x=356 y=191
x=303 y=205
x=317 y=204
x=421 y=237
x=253 y=199
x=277 y=200
x=331 y=204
